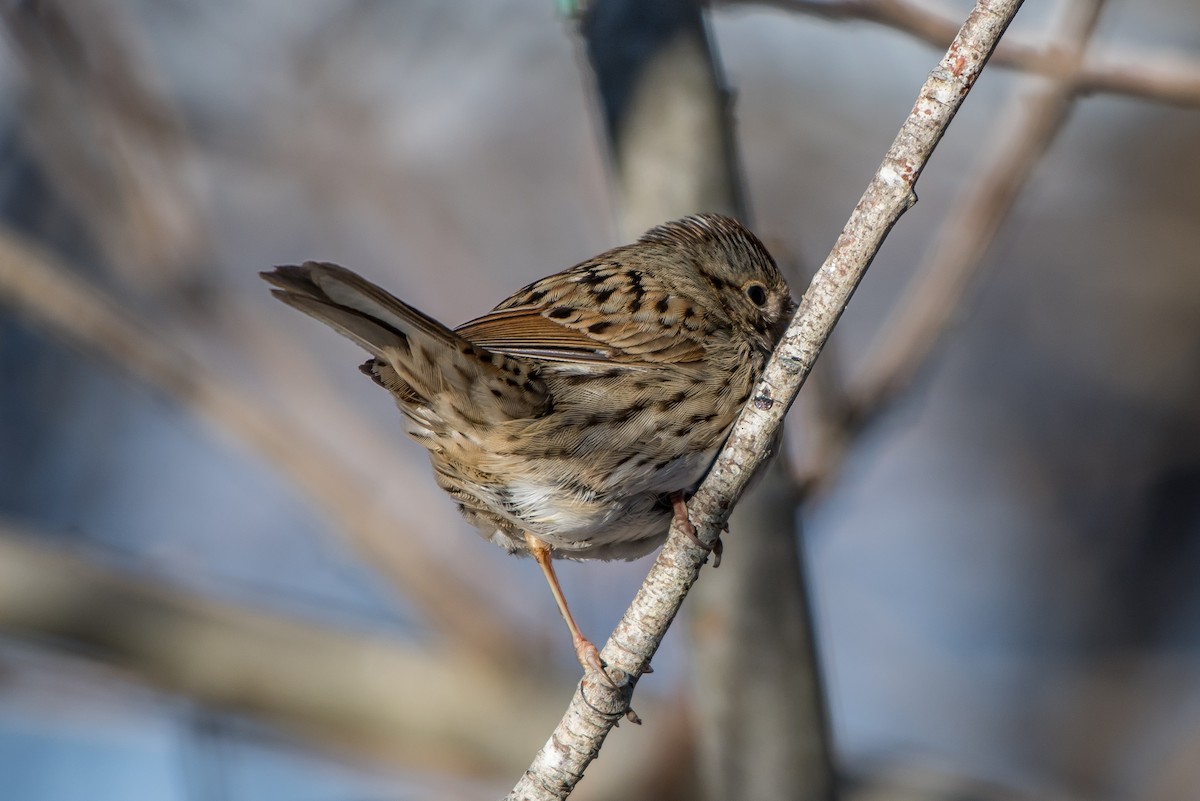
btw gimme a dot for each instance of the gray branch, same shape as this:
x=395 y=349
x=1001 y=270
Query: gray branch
x=595 y=708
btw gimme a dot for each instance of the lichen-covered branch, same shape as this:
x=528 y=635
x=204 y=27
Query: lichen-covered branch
x=595 y=708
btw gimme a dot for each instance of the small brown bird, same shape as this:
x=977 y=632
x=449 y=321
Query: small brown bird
x=573 y=419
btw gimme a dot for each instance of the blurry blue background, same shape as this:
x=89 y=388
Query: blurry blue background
x=1006 y=573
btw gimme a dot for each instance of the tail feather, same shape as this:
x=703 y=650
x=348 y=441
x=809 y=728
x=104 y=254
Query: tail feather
x=338 y=297
x=435 y=367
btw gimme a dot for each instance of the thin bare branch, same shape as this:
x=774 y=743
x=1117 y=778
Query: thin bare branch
x=1022 y=135
x=36 y=285
x=1172 y=79
x=595 y=708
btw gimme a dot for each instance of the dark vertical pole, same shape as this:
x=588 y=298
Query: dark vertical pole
x=763 y=729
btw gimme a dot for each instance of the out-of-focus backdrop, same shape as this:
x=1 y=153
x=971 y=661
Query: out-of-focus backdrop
x=226 y=575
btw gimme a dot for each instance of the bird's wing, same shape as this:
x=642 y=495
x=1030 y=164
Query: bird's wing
x=596 y=312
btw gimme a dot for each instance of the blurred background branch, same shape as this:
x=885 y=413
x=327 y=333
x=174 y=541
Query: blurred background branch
x=416 y=707
x=931 y=303
x=35 y=286
x=123 y=161
x=1172 y=78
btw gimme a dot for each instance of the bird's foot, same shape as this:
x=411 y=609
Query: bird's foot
x=589 y=656
x=689 y=531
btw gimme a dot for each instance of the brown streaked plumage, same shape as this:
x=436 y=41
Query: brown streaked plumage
x=568 y=420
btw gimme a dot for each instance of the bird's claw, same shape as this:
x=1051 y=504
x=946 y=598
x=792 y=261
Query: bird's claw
x=689 y=531
x=589 y=658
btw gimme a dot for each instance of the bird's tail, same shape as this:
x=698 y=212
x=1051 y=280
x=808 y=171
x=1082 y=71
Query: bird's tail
x=434 y=365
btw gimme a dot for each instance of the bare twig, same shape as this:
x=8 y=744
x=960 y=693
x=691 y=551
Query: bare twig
x=1026 y=128
x=36 y=285
x=594 y=708
x=1172 y=79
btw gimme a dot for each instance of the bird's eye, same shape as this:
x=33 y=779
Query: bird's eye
x=757 y=294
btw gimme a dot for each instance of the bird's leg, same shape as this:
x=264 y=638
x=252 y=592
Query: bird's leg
x=585 y=652
x=685 y=525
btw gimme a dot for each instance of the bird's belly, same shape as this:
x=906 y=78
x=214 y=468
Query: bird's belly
x=627 y=516
x=584 y=497
x=583 y=526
